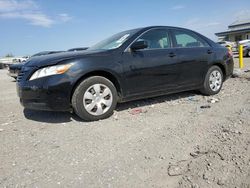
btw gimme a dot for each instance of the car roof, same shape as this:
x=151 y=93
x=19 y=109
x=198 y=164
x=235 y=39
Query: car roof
x=161 y=26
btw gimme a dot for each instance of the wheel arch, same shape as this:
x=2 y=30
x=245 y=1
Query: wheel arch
x=106 y=74
x=223 y=69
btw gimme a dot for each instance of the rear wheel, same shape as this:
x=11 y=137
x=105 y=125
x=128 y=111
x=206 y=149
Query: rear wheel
x=94 y=98
x=213 y=81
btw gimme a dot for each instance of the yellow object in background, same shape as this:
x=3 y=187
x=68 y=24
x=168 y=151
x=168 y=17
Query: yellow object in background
x=229 y=47
x=241 y=64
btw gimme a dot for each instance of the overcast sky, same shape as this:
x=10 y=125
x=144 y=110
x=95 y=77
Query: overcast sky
x=29 y=26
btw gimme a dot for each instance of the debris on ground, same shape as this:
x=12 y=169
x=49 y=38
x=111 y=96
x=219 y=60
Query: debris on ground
x=237 y=73
x=247 y=70
x=136 y=111
x=115 y=116
x=193 y=99
x=205 y=106
x=213 y=100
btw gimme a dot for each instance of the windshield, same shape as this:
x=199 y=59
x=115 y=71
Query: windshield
x=114 y=41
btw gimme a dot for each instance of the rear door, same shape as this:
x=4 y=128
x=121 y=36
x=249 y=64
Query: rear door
x=193 y=54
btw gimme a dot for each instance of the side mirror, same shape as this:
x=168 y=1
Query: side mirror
x=139 y=45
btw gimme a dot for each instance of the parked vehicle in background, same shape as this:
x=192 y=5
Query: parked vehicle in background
x=130 y=65
x=15 y=68
x=7 y=61
x=242 y=42
x=246 y=49
x=77 y=49
x=245 y=44
x=227 y=44
x=20 y=59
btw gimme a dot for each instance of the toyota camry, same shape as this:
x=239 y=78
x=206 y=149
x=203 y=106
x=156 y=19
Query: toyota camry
x=130 y=65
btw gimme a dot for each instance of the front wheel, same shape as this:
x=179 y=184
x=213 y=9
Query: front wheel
x=94 y=98
x=213 y=81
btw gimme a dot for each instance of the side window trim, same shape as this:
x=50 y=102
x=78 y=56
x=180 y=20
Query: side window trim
x=174 y=44
x=169 y=38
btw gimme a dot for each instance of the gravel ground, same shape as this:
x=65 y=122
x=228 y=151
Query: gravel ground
x=167 y=141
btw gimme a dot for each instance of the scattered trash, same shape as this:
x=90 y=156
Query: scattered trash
x=194 y=154
x=205 y=106
x=247 y=70
x=237 y=73
x=192 y=98
x=136 y=111
x=115 y=117
x=213 y=100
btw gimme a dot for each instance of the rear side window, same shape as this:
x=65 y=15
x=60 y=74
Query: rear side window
x=188 y=40
x=156 y=39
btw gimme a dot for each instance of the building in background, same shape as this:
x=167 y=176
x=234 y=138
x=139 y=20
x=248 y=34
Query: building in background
x=237 y=31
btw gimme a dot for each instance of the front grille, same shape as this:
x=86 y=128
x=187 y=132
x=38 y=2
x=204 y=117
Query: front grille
x=23 y=73
x=20 y=75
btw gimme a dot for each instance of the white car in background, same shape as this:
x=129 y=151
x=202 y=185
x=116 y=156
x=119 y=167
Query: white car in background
x=5 y=62
x=20 y=59
x=226 y=43
x=244 y=43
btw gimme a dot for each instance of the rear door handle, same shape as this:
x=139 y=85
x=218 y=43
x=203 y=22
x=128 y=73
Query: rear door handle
x=171 y=54
x=132 y=67
x=209 y=51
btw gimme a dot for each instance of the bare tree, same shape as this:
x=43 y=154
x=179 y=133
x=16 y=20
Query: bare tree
x=9 y=55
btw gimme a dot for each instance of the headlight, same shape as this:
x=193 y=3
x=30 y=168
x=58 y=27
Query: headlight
x=52 y=70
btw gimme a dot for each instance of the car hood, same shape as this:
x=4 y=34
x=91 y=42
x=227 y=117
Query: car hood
x=52 y=59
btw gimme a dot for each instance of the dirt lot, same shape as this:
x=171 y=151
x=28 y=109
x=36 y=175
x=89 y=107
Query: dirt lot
x=173 y=142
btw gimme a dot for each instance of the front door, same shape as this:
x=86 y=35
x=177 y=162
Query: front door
x=151 y=69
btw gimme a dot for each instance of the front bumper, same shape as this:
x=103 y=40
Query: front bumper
x=51 y=93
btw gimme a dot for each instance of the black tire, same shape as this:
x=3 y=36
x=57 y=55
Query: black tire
x=77 y=98
x=206 y=90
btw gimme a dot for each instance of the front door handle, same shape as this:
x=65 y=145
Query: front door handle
x=171 y=54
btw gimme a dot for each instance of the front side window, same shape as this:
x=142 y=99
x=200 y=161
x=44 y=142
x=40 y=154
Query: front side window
x=156 y=39
x=188 y=40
